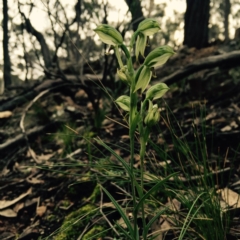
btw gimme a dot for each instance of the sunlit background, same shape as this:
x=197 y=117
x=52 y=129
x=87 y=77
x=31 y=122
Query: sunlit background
x=169 y=13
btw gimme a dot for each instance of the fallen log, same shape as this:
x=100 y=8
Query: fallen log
x=227 y=60
x=19 y=140
x=29 y=94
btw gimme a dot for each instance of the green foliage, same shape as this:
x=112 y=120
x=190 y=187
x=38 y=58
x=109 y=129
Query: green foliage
x=65 y=137
x=235 y=74
x=202 y=211
x=96 y=231
x=78 y=219
x=75 y=222
x=87 y=136
x=141 y=119
x=201 y=207
x=99 y=117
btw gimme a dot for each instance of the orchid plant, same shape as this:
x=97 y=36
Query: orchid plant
x=140 y=119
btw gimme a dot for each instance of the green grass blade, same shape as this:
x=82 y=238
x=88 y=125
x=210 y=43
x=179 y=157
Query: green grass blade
x=186 y=225
x=124 y=231
x=145 y=231
x=154 y=188
x=124 y=163
x=123 y=215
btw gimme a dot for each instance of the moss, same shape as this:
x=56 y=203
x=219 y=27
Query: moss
x=65 y=203
x=96 y=230
x=95 y=194
x=75 y=222
x=51 y=218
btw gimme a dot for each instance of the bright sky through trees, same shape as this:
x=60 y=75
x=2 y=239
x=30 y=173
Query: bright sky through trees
x=40 y=21
x=39 y=18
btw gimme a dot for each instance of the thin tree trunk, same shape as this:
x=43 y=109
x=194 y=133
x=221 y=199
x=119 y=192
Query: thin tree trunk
x=39 y=36
x=196 y=23
x=6 y=57
x=136 y=11
x=227 y=10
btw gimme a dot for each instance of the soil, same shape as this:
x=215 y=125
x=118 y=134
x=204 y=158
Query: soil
x=50 y=174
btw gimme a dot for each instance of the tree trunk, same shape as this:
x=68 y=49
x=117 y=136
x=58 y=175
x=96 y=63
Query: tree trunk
x=196 y=23
x=39 y=36
x=227 y=10
x=136 y=11
x=6 y=58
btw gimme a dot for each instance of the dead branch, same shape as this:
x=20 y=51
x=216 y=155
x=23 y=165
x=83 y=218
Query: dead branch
x=23 y=118
x=228 y=60
x=39 y=36
x=20 y=139
x=29 y=94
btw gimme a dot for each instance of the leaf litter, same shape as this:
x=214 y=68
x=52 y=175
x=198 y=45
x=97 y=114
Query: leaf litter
x=33 y=197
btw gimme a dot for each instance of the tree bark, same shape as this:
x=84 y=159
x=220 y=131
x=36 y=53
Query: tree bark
x=196 y=23
x=227 y=11
x=6 y=57
x=136 y=11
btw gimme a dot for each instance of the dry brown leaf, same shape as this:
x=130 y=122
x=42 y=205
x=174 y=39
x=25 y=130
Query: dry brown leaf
x=89 y=106
x=18 y=207
x=33 y=180
x=234 y=124
x=32 y=201
x=41 y=210
x=5 y=114
x=45 y=157
x=174 y=205
x=118 y=152
x=149 y=177
x=165 y=223
x=7 y=235
x=156 y=230
x=31 y=153
x=218 y=120
x=159 y=227
x=122 y=223
x=236 y=183
x=226 y=128
x=230 y=197
x=7 y=203
x=108 y=122
x=125 y=137
x=161 y=141
x=223 y=205
x=8 y=213
x=165 y=226
x=81 y=94
x=211 y=115
x=108 y=204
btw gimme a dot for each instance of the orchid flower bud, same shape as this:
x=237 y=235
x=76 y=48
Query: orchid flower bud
x=124 y=102
x=158 y=56
x=140 y=45
x=123 y=74
x=156 y=91
x=109 y=35
x=148 y=27
x=153 y=115
x=143 y=78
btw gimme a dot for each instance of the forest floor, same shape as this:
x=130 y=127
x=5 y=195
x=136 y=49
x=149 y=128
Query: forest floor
x=48 y=152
